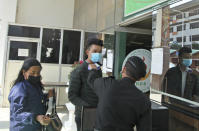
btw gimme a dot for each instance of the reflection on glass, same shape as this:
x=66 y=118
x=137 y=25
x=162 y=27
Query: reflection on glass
x=71 y=46
x=196 y=72
x=23 y=31
x=50 y=46
x=20 y=50
x=109 y=41
x=180 y=80
x=180 y=86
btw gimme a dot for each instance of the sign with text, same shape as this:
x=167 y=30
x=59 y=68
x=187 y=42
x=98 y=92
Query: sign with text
x=145 y=55
x=133 y=6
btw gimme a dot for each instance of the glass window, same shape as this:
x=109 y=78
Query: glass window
x=20 y=50
x=194 y=12
x=179 y=28
x=184 y=26
x=179 y=39
x=171 y=29
x=180 y=86
x=50 y=46
x=194 y=25
x=179 y=16
x=23 y=31
x=71 y=47
x=195 y=37
x=108 y=41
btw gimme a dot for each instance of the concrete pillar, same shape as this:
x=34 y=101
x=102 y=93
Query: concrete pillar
x=120 y=52
x=162 y=38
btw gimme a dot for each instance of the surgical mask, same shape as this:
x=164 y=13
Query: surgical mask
x=35 y=80
x=96 y=57
x=187 y=62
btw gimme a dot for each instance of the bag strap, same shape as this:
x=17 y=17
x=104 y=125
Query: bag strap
x=54 y=103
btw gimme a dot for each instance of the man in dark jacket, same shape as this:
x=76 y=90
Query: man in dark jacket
x=80 y=94
x=180 y=80
x=121 y=105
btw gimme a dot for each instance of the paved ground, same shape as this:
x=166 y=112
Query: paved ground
x=68 y=125
x=4 y=119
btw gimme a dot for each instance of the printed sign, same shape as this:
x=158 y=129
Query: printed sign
x=23 y=52
x=134 y=6
x=145 y=55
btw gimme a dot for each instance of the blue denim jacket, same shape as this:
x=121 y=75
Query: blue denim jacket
x=26 y=102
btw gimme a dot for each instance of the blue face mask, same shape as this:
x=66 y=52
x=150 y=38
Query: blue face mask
x=96 y=57
x=187 y=62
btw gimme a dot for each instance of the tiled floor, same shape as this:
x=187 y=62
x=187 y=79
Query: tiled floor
x=68 y=125
x=4 y=119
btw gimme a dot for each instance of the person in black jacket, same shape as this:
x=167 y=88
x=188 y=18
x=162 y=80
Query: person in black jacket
x=80 y=94
x=121 y=105
x=180 y=80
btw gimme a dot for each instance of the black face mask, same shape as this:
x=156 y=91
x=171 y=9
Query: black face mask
x=35 y=80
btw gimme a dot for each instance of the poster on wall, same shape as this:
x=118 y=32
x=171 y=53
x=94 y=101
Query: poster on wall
x=145 y=55
x=131 y=7
x=157 y=61
x=104 y=70
x=110 y=59
x=20 y=50
x=23 y=52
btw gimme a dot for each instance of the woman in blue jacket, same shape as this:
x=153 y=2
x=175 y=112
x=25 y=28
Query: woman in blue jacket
x=27 y=109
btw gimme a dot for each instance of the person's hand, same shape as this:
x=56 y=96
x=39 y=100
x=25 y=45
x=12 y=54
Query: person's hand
x=50 y=93
x=92 y=66
x=43 y=120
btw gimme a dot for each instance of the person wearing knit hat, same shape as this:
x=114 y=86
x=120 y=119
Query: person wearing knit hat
x=121 y=105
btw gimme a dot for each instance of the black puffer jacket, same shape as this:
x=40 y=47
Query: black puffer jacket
x=80 y=94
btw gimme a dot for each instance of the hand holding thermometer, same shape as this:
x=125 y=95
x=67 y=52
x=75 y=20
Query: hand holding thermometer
x=96 y=66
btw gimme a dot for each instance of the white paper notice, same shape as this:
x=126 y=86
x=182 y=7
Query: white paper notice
x=104 y=66
x=157 y=61
x=110 y=59
x=23 y=52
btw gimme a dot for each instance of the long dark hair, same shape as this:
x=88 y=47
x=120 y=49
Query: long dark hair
x=28 y=63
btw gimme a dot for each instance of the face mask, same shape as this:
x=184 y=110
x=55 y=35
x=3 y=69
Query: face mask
x=96 y=57
x=34 y=79
x=187 y=62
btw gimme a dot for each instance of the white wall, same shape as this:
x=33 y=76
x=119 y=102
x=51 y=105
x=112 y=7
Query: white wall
x=52 y=13
x=8 y=10
x=7 y=14
x=58 y=13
